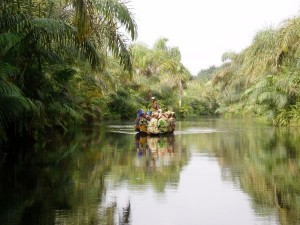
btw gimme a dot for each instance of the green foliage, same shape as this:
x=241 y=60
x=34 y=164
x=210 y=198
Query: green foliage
x=206 y=74
x=202 y=108
x=183 y=111
x=69 y=62
x=243 y=83
x=46 y=47
x=123 y=104
x=13 y=104
x=159 y=72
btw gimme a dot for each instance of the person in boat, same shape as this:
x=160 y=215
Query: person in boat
x=153 y=105
x=141 y=122
x=138 y=118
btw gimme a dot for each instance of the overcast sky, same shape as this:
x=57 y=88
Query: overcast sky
x=205 y=29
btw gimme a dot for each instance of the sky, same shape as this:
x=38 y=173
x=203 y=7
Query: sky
x=205 y=29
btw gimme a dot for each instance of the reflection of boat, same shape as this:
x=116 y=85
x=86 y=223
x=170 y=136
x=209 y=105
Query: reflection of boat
x=155 y=146
x=156 y=122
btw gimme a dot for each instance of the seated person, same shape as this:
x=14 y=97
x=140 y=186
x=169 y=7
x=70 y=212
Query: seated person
x=153 y=105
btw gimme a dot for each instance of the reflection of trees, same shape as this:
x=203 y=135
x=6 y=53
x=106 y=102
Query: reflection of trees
x=265 y=163
x=58 y=183
x=63 y=182
x=125 y=216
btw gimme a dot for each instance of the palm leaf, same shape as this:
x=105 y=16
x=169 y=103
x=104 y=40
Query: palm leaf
x=262 y=56
x=13 y=107
x=51 y=34
x=289 y=34
x=117 y=11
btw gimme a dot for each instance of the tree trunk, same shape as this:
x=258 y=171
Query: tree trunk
x=180 y=93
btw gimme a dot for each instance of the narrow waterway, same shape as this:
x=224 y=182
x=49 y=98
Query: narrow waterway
x=211 y=171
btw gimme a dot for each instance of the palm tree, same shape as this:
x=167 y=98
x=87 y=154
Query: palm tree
x=43 y=41
x=266 y=92
x=102 y=21
x=262 y=56
x=162 y=68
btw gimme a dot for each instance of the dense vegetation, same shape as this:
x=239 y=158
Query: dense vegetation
x=53 y=63
x=66 y=62
x=262 y=80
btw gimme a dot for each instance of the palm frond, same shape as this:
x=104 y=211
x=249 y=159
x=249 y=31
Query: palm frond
x=8 y=88
x=13 y=107
x=228 y=56
x=7 y=70
x=258 y=88
x=118 y=45
x=289 y=34
x=65 y=111
x=117 y=11
x=262 y=56
x=49 y=32
x=7 y=40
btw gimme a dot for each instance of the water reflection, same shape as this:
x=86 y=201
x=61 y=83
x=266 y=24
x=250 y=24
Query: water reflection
x=157 y=150
x=157 y=162
x=244 y=172
x=264 y=162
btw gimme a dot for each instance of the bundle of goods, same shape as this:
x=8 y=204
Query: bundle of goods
x=156 y=122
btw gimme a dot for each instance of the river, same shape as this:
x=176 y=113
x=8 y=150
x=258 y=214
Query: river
x=211 y=172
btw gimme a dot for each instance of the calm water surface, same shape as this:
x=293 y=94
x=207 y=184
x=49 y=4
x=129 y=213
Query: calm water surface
x=211 y=172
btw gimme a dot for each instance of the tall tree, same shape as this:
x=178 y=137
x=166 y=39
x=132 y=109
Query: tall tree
x=43 y=43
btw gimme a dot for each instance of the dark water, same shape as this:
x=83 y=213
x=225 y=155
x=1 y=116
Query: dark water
x=211 y=172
